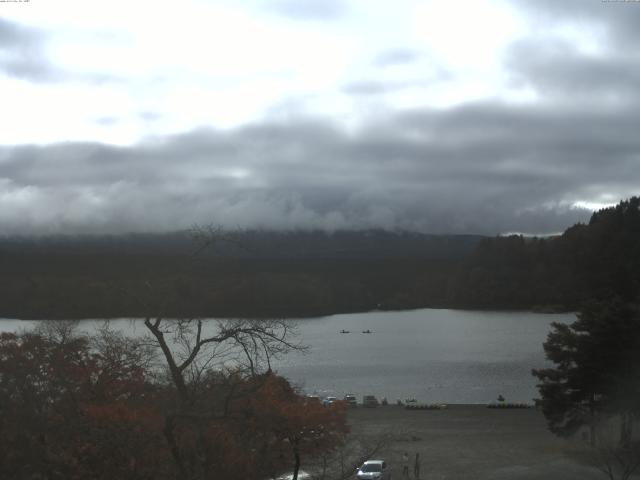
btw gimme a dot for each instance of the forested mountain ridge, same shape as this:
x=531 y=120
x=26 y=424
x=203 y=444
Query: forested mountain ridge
x=293 y=274
x=248 y=273
x=598 y=260
x=252 y=244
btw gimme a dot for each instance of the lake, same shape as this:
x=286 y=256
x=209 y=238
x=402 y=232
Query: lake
x=449 y=356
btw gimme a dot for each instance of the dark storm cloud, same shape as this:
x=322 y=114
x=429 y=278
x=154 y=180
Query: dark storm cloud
x=620 y=19
x=553 y=66
x=559 y=70
x=21 y=53
x=478 y=168
x=307 y=9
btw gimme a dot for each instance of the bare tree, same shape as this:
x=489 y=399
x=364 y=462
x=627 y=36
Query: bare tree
x=192 y=346
x=617 y=462
x=58 y=331
x=195 y=349
x=205 y=358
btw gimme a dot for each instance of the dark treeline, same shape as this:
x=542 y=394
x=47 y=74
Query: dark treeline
x=260 y=244
x=599 y=260
x=262 y=274
x=246 y=274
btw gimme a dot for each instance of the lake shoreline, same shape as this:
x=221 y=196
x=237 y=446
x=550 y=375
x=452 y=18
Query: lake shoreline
x=433 y=355
x=534 y=310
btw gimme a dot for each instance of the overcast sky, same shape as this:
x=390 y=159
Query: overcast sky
x=467 y=116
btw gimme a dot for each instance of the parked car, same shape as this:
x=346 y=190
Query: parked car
x=329 y=401
x=374 y=469
x=350 y=398
x=369 y=401
x=302 y=475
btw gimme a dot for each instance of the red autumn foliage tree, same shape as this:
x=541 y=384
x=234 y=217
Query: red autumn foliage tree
x=297 y=427
x=79 y=407
x=69 y=412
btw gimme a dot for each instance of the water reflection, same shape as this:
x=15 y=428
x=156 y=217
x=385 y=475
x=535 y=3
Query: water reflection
x=433 y=355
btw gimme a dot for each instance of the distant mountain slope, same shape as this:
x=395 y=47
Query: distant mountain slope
x=257 y=244
x=295 y=274
x=249 y=273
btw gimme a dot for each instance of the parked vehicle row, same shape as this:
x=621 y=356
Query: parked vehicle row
x=349 y=398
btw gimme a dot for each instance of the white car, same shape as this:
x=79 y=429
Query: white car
x=374 y=469
x=350 y=398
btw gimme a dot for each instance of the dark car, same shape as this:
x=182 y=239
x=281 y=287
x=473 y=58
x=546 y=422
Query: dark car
x=369 y=401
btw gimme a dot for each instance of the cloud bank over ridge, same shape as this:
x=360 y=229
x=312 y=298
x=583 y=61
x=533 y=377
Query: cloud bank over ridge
x=343 y=124
x=480 y=168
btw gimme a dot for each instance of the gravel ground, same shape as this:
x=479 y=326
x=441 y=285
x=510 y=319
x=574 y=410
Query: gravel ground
x=473 y=442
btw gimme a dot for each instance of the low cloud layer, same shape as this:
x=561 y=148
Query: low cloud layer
x=362 y=138
x=554 y=68
x=618 y=20
x=481 y=168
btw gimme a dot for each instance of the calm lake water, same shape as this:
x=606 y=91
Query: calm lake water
x=450 y=356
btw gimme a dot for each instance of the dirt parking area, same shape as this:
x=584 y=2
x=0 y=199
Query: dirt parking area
x=473 y=442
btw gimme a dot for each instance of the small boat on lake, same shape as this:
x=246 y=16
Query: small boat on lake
x=345 y=331
x=366 y=331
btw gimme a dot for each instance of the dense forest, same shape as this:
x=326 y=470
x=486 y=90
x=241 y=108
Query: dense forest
x=212 y=273
x=598 y=260
x=206 y=272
